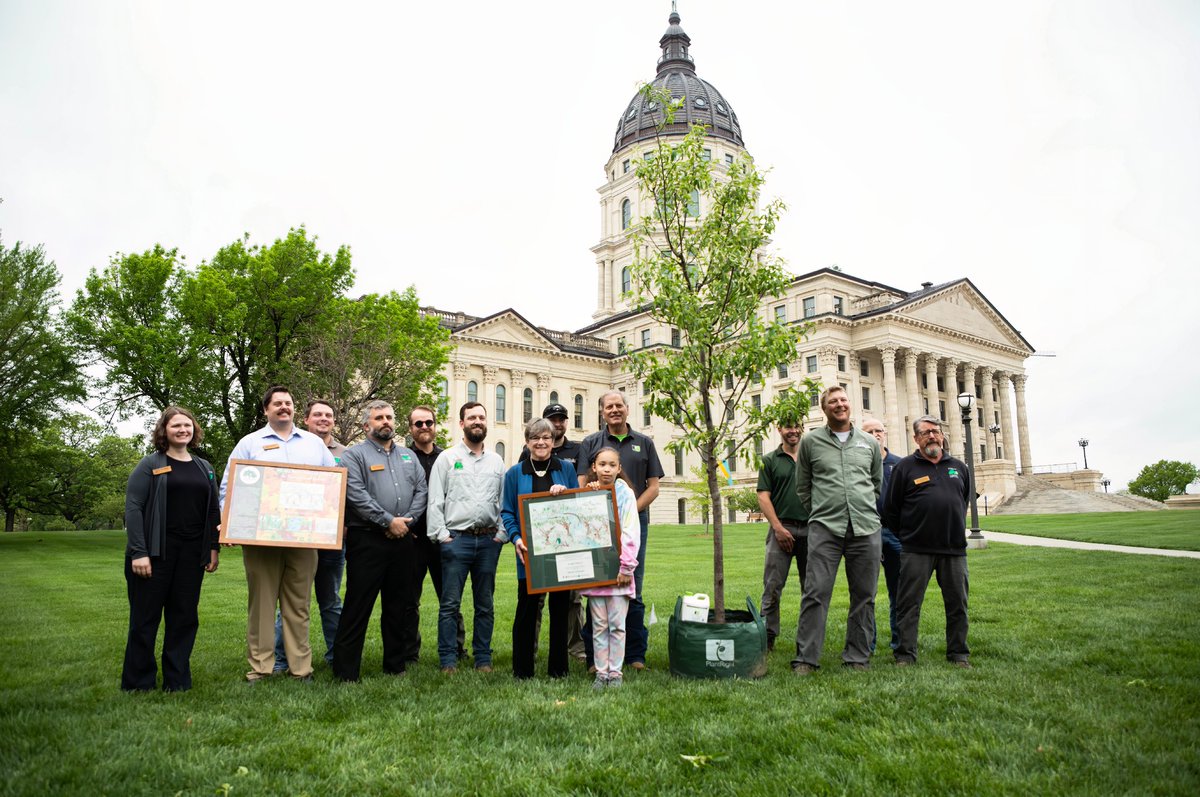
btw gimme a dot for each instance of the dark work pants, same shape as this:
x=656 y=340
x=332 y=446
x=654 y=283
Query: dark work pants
x=525 y=632
x=915 y=569
x=376 y=566
x=172 y=593
x=429 y=560
x=891 y=577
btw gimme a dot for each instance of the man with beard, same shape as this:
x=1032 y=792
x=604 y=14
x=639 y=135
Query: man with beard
x=787 y=535
x=327 y=583
x=839 y=470
x=464 y=518
x=887 y=538
x=926 y=505
x=385 y=494
x=422 y=428
x=277 y=575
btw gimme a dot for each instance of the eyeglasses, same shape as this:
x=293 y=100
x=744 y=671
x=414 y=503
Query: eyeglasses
x=929 y=432
x=546 y=437
x=422 y=424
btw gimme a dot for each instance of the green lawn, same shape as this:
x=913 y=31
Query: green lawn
x=1085 y=682
x=1175 y=529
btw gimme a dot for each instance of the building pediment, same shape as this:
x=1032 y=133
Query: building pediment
x=959 y=308
x=507 y=327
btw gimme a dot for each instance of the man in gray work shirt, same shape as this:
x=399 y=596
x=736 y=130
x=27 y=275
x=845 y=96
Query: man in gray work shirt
x=839 y=472
x=385 y=494
x=464 y=518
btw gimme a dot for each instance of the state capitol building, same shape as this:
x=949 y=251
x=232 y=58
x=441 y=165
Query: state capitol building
x=899 y=354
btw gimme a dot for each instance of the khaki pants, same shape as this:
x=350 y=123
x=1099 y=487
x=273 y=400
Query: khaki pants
x=283 y=577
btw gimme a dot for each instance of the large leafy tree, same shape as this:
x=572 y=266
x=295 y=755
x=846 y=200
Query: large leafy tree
x=1164 y=479
x=38 y=369
x=704 y=271
x=378 y=346
x=127 y=316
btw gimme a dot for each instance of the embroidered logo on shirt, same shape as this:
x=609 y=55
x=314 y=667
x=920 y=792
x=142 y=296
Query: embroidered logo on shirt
x=952 y=473
x=406 y=457
x=637 y=448
x=458 y=464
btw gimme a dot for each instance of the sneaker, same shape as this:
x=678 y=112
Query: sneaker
x=615 y=681
x=484 y=668
x=857 y=666
x=962 y=664
x=599 y=683
x=803 y=669
x=449 y=670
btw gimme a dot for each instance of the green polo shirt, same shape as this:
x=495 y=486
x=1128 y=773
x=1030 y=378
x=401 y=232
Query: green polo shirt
x=777 y=476
x=839 y=483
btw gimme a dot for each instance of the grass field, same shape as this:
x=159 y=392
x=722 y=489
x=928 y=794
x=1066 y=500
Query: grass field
x=1175 y=529
x=1086 y=682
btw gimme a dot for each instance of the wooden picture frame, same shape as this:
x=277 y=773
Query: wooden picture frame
x=284 y=505
x=573 y=539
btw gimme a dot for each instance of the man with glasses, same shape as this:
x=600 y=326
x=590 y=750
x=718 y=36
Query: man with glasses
x=926 y=506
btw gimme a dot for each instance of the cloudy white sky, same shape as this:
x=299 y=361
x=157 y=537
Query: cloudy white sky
x=1047 y=150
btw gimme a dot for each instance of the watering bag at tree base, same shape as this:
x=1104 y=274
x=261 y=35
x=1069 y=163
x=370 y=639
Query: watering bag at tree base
x=736 y=648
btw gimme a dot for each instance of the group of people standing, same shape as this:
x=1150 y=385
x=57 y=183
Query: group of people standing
x=839 y=494
x=409 y=511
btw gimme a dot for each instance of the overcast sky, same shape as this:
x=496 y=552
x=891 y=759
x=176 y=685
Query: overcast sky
x=1049 y=151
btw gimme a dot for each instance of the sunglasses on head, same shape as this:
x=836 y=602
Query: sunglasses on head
x=423 y=424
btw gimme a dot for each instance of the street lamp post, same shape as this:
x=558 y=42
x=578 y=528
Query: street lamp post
x=1083 y=443
x=995 y=430
x=1105 y=483
x=966 y=401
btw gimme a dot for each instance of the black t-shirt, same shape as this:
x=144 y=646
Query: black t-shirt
x=541 y=484
x=187 y=499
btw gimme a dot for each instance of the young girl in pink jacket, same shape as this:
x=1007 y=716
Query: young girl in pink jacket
x=610 y=605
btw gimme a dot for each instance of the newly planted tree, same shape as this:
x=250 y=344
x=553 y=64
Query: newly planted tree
x=700 y=266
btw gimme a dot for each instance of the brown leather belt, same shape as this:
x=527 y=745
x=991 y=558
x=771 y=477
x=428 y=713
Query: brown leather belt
x=478 y=531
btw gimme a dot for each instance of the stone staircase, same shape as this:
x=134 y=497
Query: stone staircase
x=1035 y=496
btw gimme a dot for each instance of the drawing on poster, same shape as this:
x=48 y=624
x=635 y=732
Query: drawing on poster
x=562 y=526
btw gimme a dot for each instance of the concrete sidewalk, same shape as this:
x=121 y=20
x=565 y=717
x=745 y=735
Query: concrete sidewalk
x=1050 y=542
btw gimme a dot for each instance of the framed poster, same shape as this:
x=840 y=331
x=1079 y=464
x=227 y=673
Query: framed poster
x=279 y=504
x=573 y=539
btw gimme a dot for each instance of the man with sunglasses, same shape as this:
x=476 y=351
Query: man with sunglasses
x=926 y=505
x=422 y=428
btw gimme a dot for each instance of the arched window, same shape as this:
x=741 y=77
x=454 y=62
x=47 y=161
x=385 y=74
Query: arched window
x=501 y=394
x=626 y=214
x=626 y=280
x=472 y=391
x=553 y=396
x=443 y=398
x=528 y=410
x=693 y=207
x=500 y=451
x=579 y=412
x=682 y=511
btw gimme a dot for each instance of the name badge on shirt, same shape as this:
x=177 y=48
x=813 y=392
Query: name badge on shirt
x=921 y=480
x=376 y=467
x=271 y=447
x=161 y=471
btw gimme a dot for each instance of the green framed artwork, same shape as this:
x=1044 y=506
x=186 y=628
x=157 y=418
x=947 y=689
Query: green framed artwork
x=283 y=505
x=572 y=540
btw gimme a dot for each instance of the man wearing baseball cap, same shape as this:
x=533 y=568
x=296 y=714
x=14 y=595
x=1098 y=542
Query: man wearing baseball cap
x=567 y=451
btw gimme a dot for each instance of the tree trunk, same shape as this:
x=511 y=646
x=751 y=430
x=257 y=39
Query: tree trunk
x=714 y=493
x=10 y=519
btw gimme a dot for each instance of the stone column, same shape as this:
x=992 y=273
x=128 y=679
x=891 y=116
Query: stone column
x=968 y=370
x=1006 y=427
x=827 y=363
x=855 y=389
x=891 y=409
x=1023 y=424
x=914 y=402
x=543 y=391
x=458 y=395
x=989 y=409
x=954 y=438
x=487 y=397
x=516 y=400
x=931 y=391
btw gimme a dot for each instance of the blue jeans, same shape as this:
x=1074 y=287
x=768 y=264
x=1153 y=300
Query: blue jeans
x=477 y=556
x=891 y=576
x=637 y=635
x=328 y=586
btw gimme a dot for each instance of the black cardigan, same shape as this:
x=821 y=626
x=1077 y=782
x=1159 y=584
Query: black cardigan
x=146 y=507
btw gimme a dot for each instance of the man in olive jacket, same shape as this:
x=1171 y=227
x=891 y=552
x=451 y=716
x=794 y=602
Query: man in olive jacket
x=839 y=473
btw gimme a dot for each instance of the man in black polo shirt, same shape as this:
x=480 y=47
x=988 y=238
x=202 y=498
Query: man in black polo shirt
x=787 y=537
x=639 y=462
x=926 y=505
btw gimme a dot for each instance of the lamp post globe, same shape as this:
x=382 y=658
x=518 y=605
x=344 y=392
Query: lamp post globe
x=1083 y=443
x=1105 y=483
